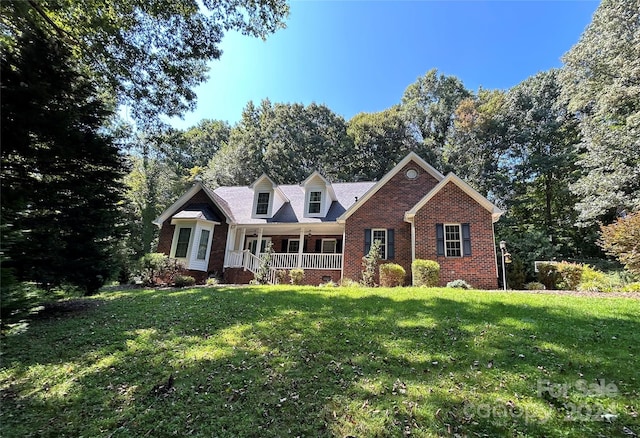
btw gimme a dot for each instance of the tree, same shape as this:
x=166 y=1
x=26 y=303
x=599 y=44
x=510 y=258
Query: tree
x=380 y=141
x=601 y=80
x=428 y=105
x=622 y=240
x=60 y=172
x=286 y=141
x=476 y=147
x=150 y=54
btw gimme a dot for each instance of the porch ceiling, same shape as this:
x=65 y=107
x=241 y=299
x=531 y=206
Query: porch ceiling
x=293 y=229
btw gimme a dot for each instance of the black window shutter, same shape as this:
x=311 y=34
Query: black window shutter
x=440 y=239
x=466 y=240
x=305 y=248
x=367 y=240
x=285 y=246
x=318 y=245
x=339 y=246
x=391 y=252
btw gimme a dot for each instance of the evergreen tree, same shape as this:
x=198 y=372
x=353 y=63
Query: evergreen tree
x=60 y=192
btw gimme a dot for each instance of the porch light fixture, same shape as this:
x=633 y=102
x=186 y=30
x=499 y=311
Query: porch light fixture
x=506 y=258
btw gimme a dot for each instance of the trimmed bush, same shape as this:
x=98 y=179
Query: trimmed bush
x=392 y=275
x=459 y=284
x=425 y=273
x=347 y=282
x=534 y=285
x=593 y=280
x=570 y=275
x=632 y=287
x=281 y=276
x=184 y=281
x=297 y=276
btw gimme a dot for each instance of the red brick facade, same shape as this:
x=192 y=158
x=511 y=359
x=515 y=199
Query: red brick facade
x=218 y=243
x=385 y=209
x=451 y=205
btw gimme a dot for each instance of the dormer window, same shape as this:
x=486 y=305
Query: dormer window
x=315 y=203
x=262 y=205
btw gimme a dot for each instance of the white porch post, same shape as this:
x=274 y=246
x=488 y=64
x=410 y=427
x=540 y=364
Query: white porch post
x=259 y=242
x=413 y=241
x=230 y=246
x=300 y=247
x=344 y=244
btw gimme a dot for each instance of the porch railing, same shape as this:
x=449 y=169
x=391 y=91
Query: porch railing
x=245 y=259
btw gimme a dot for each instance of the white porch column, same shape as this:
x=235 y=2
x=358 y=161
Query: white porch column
x=231 y=243
x=413 y=241
x=300 y=247
x=259 y=242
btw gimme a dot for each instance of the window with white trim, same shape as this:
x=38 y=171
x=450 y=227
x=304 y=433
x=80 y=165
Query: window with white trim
x=203 y=244
x=182 y=244
x=329 y=246
x=380 y=235
x=262 y=203
x=315 y=202
x=452 y=240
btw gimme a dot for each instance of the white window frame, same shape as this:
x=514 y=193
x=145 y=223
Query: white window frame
x=257 y=204
x=383 y=248
x=335 y=246
x=289 y=246
x=317 y=202
x=191 y=259
x=449 y=252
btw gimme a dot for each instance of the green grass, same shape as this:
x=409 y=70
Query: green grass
x=304 y=361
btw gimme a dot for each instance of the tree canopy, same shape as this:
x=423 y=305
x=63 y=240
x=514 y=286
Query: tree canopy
x=149 y=54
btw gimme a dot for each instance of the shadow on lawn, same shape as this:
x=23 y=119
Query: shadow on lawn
x=246 y=362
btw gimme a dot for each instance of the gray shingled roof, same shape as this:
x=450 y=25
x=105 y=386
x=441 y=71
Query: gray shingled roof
x=240 y=202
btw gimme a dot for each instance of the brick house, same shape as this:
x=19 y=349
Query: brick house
x=326 y=228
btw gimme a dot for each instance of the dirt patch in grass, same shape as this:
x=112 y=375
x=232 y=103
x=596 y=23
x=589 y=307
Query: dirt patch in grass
x=63 y=308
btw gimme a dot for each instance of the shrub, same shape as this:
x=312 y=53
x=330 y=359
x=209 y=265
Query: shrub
x=392 y=275
x=281 y=276
x=184 y=281
x=632 y=287
x=593 y=280
x=534 y=285
x=621 y=238
x=157 y=268
x=425 y=273
x=369 y=264
x=262 y=276
x=459 y=284
x=212 y=281
x=297 y=276
x=516 y=274
x=548 y=274
x=570 y=275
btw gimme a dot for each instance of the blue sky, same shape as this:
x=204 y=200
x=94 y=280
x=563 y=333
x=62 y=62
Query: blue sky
x=360 y=56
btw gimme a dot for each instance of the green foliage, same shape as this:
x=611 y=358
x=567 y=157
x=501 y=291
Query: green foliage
x=370 y=264
x=264 y=268
x=600 y=80
x=296 y=276
x=593 y=280
x=425 y=273
x=622 y=240
x=61 y=193
x=459 y=284
x=17 y=298
x=212 y=281
x=157 y=268
x=534 y=285
x=150 y=55
x=183 y=281
x=516 y=275
x=281 y=276
x=562 y=276
x=631 y=287
x=347 y=282
x=392 y=275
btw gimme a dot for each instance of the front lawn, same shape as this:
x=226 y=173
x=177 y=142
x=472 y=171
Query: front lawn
x=304 y=361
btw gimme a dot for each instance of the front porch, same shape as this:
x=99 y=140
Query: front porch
x=318 y=251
